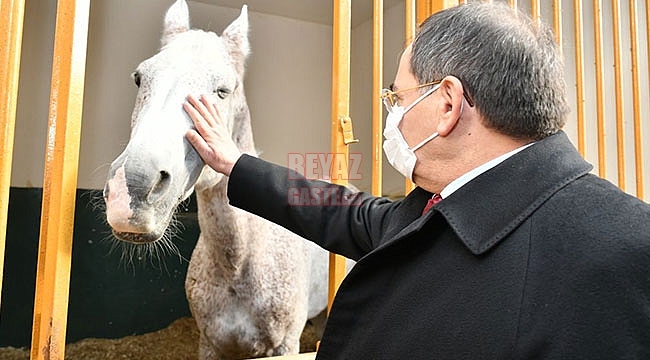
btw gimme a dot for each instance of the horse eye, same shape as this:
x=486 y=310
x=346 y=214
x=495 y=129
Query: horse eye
x=222 y=93
x=136 y=78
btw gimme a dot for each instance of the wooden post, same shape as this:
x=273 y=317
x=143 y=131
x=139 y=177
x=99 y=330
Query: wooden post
x=557 y=23
x=60 y=180
x=618 y=91
x=11 y=34
x=377 y=83
x=437 y=5
x=340 y=115
x=410 y=23
x=636 y=101
x=600 y=94
x=580 y=71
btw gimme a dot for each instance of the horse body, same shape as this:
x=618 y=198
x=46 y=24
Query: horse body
x=248 y=283
x=251 y=284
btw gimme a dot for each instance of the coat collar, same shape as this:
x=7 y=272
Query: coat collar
x=485 y=210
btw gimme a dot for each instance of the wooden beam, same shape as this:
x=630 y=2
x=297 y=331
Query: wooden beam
x=60 y=180
x=340 y=114
x=377 y=84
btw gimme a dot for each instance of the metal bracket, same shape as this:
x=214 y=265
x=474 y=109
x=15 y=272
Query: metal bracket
x=348 y=134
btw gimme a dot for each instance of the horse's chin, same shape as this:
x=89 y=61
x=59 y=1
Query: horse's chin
x=147 y=223
x=139 y=238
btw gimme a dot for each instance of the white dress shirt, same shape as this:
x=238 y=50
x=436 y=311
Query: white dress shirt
x=468 y=176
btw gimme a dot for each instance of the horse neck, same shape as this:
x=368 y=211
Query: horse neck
x=225 y=233
x=224 y=229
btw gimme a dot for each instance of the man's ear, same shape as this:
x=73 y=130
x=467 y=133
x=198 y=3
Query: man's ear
x=451 y=90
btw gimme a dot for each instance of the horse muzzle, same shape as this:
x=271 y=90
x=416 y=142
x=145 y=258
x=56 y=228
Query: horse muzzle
x=137 y=209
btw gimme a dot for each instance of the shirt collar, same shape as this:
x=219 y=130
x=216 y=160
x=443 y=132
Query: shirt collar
x=470 y=175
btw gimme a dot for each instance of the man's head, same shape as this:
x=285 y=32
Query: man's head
x=507 y=64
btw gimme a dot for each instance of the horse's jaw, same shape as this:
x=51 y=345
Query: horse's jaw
x=209 y=179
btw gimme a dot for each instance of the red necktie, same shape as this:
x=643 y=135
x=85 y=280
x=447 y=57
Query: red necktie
x=434 y=200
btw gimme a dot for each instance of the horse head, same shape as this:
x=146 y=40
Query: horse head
x=159 y=168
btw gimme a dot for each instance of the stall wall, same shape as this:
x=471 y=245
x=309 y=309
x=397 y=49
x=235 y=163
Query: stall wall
x=289 y=90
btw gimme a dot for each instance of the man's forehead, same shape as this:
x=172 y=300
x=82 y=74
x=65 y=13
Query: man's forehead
x=404 y=78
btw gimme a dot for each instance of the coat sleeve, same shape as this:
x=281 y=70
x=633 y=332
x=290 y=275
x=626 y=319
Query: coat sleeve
x=330 y=215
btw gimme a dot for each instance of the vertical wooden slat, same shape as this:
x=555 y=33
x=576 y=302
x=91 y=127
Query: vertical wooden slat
x=410 y=23
x=340 y=110
x=60 y=180
x=600 y=98
x=580 y=70
x=11 y=33
x=535 y=10
x=513 y=4
x=636 y=101
x=423 y=9
x=618 y=92
x=557 y=22
x=377 y=84
x=647 y=32
x=437 y=5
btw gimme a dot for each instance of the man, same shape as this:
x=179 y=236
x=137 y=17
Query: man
x=527 y=256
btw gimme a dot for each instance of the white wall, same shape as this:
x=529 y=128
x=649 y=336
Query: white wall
x=33 y=93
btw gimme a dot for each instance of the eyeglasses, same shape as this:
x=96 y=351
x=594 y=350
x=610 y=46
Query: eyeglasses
x=389 y=97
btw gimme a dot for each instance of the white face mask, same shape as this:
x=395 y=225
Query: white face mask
x=399 y=154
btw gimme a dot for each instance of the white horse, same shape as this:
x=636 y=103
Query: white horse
x=251 y=285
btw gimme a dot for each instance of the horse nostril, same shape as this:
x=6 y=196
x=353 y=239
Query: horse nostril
x=160 y=187
x=164 y=175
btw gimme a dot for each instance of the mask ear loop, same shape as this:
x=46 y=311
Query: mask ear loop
x=421 y=144
x=436 y=134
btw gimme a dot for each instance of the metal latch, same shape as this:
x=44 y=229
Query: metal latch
x=348 y=134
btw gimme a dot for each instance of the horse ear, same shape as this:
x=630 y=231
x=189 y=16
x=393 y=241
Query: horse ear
x=177 y=20
x=236 y=38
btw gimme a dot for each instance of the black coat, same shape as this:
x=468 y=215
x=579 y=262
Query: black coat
x=534 y=259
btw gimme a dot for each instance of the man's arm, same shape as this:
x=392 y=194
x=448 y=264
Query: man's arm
x=332 y=216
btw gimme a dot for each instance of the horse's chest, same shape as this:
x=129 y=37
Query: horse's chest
x=236 y=320
x=235 y=327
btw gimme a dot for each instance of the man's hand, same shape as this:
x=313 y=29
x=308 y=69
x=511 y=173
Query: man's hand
x=211 y=139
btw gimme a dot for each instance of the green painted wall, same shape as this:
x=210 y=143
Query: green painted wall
x=109 y=298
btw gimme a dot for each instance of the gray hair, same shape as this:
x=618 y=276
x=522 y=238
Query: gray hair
x=510 y=66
